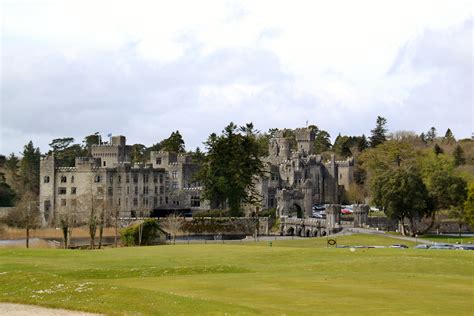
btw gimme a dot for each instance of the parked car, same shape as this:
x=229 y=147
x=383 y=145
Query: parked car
x=318 y=207
x=442 y=246
x=346 y=211
x=464 y=247
x=399 y=246
x=422 y=246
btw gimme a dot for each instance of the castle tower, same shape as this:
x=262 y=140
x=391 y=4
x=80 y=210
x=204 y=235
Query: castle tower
x=47 y=187
x=279 y=147
x=305 y=140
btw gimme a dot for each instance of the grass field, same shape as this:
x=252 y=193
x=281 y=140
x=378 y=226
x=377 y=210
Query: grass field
x=293 y=277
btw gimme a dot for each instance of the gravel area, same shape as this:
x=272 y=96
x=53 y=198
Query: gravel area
x=27 y=310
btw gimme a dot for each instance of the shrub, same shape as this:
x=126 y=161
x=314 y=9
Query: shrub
x=150 y=232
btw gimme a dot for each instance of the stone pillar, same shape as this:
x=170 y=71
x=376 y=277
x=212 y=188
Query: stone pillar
x=333 y=216
x=361 y=215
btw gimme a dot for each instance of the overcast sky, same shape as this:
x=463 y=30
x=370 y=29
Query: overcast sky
x=146 y=68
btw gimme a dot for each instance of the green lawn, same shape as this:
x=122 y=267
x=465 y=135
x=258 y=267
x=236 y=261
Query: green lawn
x=292 y=277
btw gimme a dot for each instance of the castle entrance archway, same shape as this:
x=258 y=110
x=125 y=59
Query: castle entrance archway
x=296 y=211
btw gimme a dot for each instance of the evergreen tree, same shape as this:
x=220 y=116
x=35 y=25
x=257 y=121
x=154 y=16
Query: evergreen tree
x=431 y=134
x=233 y=161
x=174 y=143
x=362 y=143
x=437 y=149
x=30 y=168
x=322 y=141
x=378 y=134
x=423 y=138
x=458 y=155
x=449 y=137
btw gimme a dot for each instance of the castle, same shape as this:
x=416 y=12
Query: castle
x=298 y=179
x=109 y=177
x=294 y=181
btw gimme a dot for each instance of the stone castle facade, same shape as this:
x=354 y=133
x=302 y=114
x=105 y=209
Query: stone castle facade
x=298 y=179
x=294 y=181
x=108 y=178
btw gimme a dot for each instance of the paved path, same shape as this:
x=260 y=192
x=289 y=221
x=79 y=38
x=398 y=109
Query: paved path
x=27 y=310
x=382 y=233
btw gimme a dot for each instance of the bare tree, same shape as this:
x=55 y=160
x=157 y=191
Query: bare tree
x=172 y=225
x=25 y=215
x=67 y=220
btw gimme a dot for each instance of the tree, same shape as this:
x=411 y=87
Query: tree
x=172 y=225
x=230 y=168
x=93 y=139
x=138 y=153
x=322 y=141
x=458 y=156
x=402 y=195
x=469 y=206
x=65 y=153
x=449 y=137
x=446 y=190
x=174 y=143
x=437 y=149
x=431 y=135
x=7 y=195
x=25 y=215
x=59 y=144
x=30 y=168
x=378 y=133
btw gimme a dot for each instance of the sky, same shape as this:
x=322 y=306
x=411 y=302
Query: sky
x=146 y=68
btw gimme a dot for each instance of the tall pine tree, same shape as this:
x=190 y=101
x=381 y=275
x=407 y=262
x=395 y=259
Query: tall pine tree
x=378 y=133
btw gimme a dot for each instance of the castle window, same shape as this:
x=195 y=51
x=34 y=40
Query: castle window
x=73 y=190
x=161 y=200
x=104 y=163
x=156 y=190
x=111 y=178
x=166 y=200
x=63 y=179
x=97 y=179
x=145 y=190
x=135 y=201
x=145 y=178
x=174 y=185
x=72 y=179
x=136 y=190
x=128 y=190
x=158 y=161
x=145 y=201
x=110 y=191
x=119 y=190
x=119 y=179
x=127 y=178
x=162 y=189
x=62 y=191
x=161 y=179
x=46 y=179
x=174 y=174
x=135 y=178
x=155 y=178
x=47 y=206
x=155 y=201
x=118 y=202
x=195 y=201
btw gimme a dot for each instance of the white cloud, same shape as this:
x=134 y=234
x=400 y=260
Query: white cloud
x=147 y=68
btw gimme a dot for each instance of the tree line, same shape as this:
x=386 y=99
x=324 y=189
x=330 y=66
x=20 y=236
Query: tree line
x=410 y=177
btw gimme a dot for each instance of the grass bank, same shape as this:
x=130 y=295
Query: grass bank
x=292 y=277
